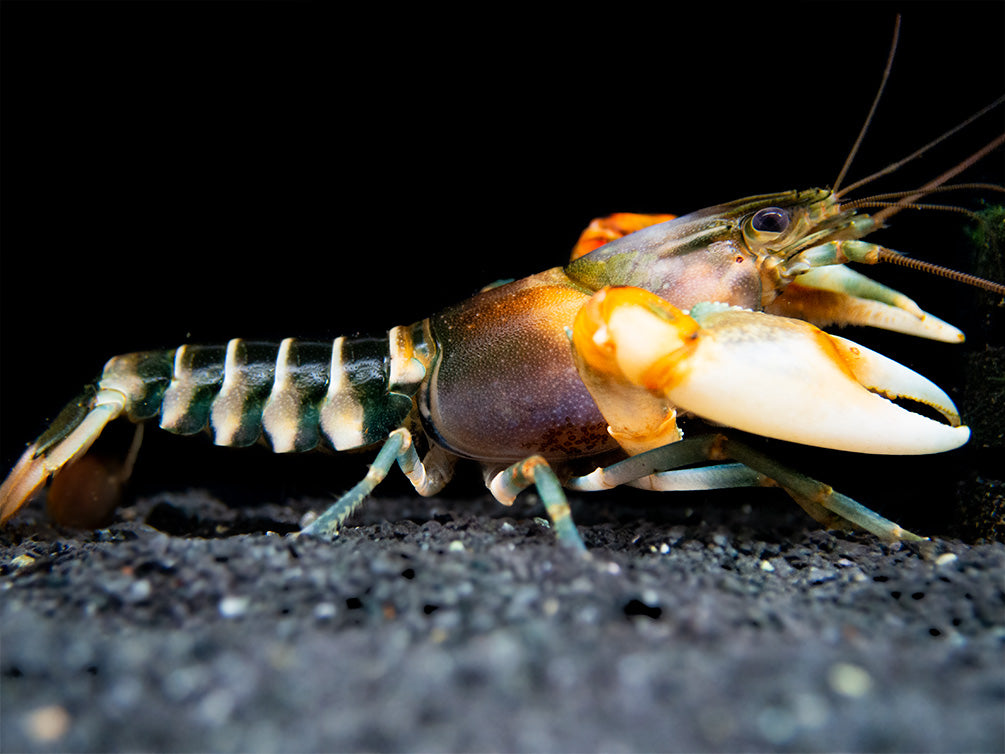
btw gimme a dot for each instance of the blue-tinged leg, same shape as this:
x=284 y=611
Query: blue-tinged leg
x=656 y=469
x=659 y=470
x=427 y=477
x=507 y=484
x=645 y=465
x=816 y=498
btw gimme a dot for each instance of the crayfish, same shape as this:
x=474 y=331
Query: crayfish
x=598 y=363
x=597 y=358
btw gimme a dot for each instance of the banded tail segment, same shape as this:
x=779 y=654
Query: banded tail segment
x=295 y=395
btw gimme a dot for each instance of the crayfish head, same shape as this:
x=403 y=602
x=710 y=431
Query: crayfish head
x=789 y=233
x=743 y=252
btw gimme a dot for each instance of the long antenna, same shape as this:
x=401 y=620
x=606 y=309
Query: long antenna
x=895 y=257
x=872 y=110
x=888 y=255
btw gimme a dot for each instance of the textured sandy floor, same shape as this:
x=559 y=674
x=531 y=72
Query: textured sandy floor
x=463 y=627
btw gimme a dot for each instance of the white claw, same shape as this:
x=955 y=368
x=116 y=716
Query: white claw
x=786 y=379
x=892 y=379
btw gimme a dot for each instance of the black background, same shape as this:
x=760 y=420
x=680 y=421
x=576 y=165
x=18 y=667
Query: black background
x=192 y=172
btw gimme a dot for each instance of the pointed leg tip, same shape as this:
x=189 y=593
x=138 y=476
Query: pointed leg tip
x=317 y=529
x=903 y=535
x=573 y=543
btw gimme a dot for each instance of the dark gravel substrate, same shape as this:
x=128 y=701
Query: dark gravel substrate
x=463 y=627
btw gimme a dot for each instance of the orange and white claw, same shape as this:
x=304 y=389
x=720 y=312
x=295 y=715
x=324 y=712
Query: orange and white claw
x=639 y=419
x=764 y=374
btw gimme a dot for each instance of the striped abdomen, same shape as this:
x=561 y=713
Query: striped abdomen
x=346 y=394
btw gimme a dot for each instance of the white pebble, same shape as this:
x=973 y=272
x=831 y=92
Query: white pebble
x=233 y=606
x=47 y=724
x=946 y=558
x=849 y=680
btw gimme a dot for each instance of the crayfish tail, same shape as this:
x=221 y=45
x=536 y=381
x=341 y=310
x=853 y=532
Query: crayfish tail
x=23 y=482
x=69 y=437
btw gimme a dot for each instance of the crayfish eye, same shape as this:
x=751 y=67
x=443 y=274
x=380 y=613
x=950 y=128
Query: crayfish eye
x=770 y=220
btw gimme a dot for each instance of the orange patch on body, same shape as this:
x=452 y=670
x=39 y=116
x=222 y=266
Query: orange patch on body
x=603 y=230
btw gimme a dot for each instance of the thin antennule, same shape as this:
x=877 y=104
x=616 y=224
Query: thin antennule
x=885 y=199
x=867 y=200
x=881 y=216
x=872 y=110
x=894 y=257
x=914 y=205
